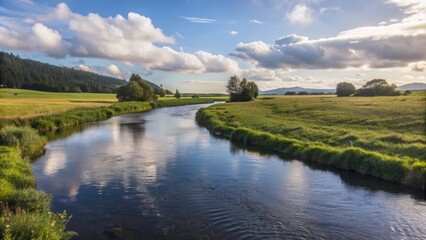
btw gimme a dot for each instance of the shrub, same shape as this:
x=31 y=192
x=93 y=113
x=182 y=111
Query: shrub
x=30 y=200
x=25 y=138
x=36 y=225
x=345 y=89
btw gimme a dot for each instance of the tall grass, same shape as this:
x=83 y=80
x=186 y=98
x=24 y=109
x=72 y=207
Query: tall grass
x=332 y=132
x=25 y=212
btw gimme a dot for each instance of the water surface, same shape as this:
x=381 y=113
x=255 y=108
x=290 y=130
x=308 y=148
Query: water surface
x=157 y=175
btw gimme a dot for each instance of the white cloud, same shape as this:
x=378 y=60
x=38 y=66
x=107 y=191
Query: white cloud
x=300 y=14
x=199 y=20
x=84 y=68
x=114 y=70
x=217 y=63
x=233 y=32
x=39 y=37
x=132 y=40
x=49 y=40
x=256 y=21
x=418 y=67
x=383 y=46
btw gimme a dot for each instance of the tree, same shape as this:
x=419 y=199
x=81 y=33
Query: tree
x=177 y=94
x=160 y=91
x=136 y=90
x=234 y=88
x=378 y=87
x=290 y=93
x=130 y=92
x=241 y=90
x=345 y=89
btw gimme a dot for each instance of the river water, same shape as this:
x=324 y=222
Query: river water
x=158 y=175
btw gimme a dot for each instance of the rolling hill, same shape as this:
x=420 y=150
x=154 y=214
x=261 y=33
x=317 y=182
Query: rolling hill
x=412 y=86
x=16 y=72
x=281 y=91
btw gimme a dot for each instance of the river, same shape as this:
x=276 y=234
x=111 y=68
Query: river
x=158 y=175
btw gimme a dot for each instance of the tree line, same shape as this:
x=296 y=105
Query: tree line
x=375 y=87
x=16 y=72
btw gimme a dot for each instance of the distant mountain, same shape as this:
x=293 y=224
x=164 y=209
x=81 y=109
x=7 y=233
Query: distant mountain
x=412 y=86
x=16 y=72
x=281 y=91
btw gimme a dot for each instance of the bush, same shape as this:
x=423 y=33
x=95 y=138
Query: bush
x=36 y=225
x=25 y=138
x=290 y=93
x=345 y=89
x=195 y=96
x=30 y=200
x=406 y=93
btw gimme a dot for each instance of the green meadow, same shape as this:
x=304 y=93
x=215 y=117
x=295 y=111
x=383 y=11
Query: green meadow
x=379 y=136
x=27 y=104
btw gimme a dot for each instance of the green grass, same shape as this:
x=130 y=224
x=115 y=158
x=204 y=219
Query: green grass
x=25 y=212
x=379 y=136
x=27 y=104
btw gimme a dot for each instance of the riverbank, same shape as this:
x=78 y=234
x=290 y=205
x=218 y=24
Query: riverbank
x=380 y=136
x=25 y=212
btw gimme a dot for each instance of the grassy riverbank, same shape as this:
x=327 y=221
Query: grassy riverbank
x=25 y=212
x=378 y=136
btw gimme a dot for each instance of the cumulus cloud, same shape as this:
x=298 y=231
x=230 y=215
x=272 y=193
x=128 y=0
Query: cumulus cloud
x=418 y=67
x=131 y=39
x=49 y=40
x=217 y=63
x=233 y=32
x=84 y=68
x=396 y=44
x=287 y=40
x=39 y=37
x=300 y=14
x=114 y=70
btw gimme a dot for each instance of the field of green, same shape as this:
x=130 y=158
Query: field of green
x=24 y=104
x=389 y=127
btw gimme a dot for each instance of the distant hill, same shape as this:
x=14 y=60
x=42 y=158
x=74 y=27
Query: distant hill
x=16 y=72
x=412 y=86
x=281 y=91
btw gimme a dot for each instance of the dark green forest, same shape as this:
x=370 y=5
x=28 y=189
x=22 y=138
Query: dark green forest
x=16 y=72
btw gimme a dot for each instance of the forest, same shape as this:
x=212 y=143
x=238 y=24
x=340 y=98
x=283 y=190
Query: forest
x=16 y=72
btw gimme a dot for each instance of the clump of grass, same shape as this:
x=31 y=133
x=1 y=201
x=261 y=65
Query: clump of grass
x=30 y=200
x=34 y=225
x=25 y=212
x=25 y=138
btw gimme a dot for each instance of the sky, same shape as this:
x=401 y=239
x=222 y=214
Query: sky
x=196 y=45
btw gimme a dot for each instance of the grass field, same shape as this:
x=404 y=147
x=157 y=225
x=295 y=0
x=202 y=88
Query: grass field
x=24 y=104
x=393 y=127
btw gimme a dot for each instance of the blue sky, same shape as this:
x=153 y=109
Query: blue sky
x=195 y=45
